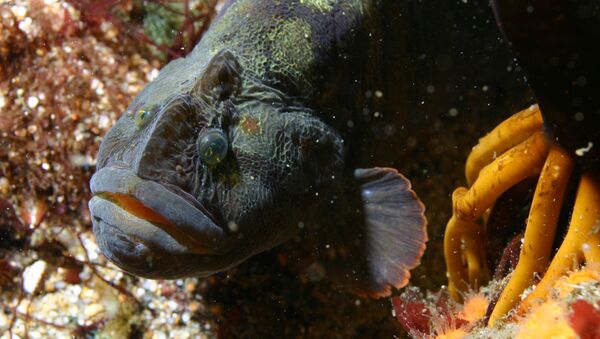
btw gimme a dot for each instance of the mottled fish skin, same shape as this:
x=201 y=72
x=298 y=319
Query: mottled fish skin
x=279 y=80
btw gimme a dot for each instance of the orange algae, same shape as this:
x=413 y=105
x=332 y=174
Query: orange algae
x=571 y=310
x=437 y=316
x=558 y=316
x=474 y=308
x=453 y=334
x=566 y=285
x=548 y=320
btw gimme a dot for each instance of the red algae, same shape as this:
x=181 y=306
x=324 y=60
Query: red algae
x=572 y=310
x=585 y=319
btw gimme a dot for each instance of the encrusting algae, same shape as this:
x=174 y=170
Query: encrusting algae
x=548 y=320
x=572 y=310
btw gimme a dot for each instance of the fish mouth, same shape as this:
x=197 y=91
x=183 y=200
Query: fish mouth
x=138 y=214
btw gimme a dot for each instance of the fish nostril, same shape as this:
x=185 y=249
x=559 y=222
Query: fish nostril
x=141 y=248
x=128 y=246
x=129 y=251
x=121 y=239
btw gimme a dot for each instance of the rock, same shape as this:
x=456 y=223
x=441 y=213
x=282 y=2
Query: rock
x=32 y=276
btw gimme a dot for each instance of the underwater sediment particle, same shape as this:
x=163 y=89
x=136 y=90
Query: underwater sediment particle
x=32 y=276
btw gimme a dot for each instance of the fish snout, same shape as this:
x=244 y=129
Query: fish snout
x=154 y=231
x=136 y=245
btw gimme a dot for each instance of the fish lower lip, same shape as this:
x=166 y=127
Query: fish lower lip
x=109 y=215
x=182 y=213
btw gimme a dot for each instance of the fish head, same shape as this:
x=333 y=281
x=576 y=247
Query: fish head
x=204 y=170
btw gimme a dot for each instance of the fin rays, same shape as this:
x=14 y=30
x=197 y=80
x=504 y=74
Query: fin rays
x=395 y=230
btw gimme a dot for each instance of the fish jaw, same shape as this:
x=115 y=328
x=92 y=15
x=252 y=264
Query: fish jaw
x=151 y=231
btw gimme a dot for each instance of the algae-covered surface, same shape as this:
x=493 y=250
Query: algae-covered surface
x=67 y=71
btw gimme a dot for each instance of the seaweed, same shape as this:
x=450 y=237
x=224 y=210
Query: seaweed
x=170 y=28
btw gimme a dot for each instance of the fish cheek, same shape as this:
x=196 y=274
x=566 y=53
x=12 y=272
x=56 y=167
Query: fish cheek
x=319 y=148
x=116 y=144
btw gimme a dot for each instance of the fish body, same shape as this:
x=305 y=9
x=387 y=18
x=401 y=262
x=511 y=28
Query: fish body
x=260 y=131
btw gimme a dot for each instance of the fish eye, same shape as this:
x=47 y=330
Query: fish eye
x=140 y=117
x=144 y=114
x=212 y=146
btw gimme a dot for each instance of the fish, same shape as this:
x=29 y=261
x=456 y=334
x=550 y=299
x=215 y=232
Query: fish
x=256 y=135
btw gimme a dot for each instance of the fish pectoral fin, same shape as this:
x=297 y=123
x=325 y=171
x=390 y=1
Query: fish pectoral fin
x=395 y=230
x=379 y=238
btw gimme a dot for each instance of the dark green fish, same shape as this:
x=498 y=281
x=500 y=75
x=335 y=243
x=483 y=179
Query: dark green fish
x=255 y=134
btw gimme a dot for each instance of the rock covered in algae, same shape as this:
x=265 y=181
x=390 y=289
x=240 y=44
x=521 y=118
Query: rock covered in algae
x=572 y=310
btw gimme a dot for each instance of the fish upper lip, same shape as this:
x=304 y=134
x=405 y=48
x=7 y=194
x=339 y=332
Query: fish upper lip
x=183 y=210
x=192 y=201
